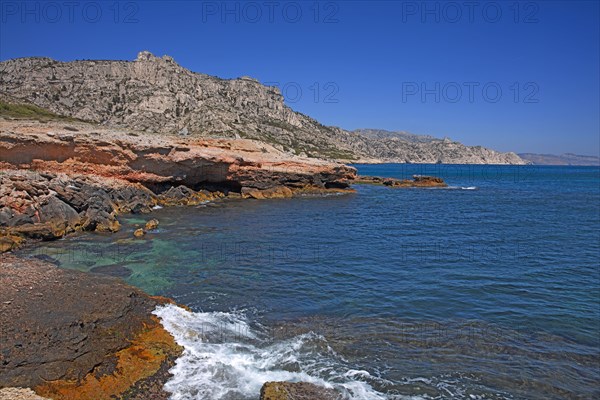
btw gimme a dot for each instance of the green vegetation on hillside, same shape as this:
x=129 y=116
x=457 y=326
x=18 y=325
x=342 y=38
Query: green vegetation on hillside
x=29 y=111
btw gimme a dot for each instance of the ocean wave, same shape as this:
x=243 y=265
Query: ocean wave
x=461 y=188
x=226 y=358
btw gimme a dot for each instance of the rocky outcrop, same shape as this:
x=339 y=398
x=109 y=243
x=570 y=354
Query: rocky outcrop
x=19 y=394
x=157 y=95
x=297 y=391
x=418 y=181
x=71 y=335
x=50 y=205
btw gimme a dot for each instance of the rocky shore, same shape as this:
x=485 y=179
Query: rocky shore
x=58 y=177
x=71 y=335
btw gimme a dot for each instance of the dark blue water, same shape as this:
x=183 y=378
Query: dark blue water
x=487 y=289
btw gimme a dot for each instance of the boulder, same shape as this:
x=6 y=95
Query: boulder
x=151 y=225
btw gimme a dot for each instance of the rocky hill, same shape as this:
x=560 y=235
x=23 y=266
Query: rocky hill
x=402 y=135
x=155 y=94
x=563 y=159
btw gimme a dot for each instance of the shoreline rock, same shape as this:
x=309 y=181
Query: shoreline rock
x=12 y=393
x=96 y=339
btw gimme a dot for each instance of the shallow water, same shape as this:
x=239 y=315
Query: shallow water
x=487 y=289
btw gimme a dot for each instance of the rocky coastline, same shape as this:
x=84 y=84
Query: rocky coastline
x=57 y=177
x=72 y=335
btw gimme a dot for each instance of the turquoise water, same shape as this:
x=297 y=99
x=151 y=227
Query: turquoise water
x=487 y=289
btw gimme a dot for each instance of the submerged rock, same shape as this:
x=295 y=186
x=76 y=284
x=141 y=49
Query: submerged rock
x=139 y=233
x=119 y=271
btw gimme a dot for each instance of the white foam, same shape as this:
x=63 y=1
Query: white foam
x=460 y=188
x=156 y=207
x=225 y=358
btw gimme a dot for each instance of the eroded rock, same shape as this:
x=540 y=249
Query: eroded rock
x=49 y=206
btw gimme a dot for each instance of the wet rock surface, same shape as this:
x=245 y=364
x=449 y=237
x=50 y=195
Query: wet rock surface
x=297 y=391
x=73 y=335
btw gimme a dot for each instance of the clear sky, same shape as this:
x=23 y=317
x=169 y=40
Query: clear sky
x=519 y=76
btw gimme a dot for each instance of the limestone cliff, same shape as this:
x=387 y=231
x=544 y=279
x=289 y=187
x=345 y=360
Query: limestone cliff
x=157 y=95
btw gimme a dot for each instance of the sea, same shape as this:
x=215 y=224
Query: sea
x=486 y=289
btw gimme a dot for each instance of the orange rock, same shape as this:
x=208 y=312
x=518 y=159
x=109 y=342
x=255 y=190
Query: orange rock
x=151 y=225
x=10 y=242
x=147 y=353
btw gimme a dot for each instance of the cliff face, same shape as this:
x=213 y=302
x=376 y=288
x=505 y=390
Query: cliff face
x=410 y=148
x=157 y=95
x=161 y=159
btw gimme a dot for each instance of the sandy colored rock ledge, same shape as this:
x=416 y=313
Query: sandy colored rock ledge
x=161 y=161
x=71 y=335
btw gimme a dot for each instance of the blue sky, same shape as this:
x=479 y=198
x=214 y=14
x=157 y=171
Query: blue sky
x=514 y=76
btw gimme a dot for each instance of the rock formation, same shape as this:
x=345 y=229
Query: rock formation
x=417 y=181
x=157 y=95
